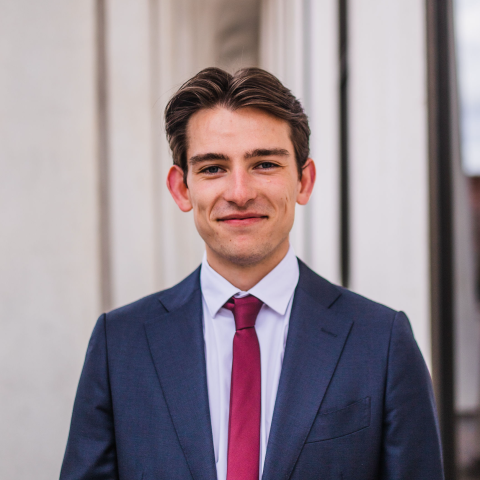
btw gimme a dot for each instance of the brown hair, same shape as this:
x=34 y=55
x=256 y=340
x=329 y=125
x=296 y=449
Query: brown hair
x=248 y=87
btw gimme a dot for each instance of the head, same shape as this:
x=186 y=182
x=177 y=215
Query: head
x=240 y=152
x=248 y=87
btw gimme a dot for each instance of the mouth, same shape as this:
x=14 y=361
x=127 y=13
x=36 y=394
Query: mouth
x=242 y=219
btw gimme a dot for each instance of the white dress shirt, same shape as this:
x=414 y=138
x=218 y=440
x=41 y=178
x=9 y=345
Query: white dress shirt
x=276 y=292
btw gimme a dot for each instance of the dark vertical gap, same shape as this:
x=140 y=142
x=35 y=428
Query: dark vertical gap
x=103 y=157
x=344 y=181
x=441 y=211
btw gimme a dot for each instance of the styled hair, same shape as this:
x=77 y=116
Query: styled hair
x=248 y=87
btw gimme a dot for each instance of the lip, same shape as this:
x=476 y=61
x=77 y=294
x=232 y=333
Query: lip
x=242 y=219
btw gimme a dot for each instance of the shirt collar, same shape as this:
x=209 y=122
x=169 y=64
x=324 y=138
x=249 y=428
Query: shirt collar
x=275 y=289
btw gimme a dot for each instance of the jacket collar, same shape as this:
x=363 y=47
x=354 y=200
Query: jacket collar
x=173 y=298
x=178 y=351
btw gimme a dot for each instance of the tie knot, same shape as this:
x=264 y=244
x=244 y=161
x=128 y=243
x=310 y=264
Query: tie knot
x=245 y=310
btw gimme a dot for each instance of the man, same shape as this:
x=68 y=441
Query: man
x=253 y=366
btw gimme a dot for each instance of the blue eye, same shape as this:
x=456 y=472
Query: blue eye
x=212 y=169
x=267 y=165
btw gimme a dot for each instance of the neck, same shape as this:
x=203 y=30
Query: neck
x=244 y=277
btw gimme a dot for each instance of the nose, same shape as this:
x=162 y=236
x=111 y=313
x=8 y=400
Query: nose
x=240 y=188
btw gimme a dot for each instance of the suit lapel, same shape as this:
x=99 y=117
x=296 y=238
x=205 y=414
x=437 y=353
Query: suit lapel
x=315 y=342
x=177 y=346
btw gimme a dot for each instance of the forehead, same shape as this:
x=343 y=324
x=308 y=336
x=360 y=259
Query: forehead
x=243 y=129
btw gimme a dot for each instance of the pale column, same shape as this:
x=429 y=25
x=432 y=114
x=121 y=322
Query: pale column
x=48 y=202
x=323 y=217
x=389 y=158
x=131 y=180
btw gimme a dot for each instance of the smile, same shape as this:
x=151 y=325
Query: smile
x=243 y=219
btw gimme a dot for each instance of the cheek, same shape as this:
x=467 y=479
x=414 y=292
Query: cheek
x=286 y=198
x=203 y=200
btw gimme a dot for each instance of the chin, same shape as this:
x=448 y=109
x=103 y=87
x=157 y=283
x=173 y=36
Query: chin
x=246 y=256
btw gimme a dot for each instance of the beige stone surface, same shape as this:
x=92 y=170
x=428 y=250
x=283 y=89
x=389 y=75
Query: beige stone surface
x=48 y=202
x=131 y=178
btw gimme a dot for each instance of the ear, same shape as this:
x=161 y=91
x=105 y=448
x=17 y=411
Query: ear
x=306 y=182
x=178 y=189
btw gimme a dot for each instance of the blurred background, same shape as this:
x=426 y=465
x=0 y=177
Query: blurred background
x=392 y=90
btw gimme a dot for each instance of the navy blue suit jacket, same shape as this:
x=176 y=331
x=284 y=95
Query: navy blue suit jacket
x=354 y=400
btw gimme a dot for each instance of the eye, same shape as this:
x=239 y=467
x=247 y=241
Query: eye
x=211 y=170
x=266 y=165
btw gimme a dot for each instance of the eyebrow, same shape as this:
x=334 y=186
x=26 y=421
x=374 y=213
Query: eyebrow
x=258 y=152
x=267 y=152
x=205 y=157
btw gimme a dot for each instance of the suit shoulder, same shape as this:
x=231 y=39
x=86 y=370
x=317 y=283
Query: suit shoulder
x=363 y=306
x=139 y=308
x=367 y=315
x=343 y=301
x=157 y=303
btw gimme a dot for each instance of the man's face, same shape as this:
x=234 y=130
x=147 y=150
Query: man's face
x=242 y=182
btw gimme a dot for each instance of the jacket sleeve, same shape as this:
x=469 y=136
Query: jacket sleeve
x=411 y=438
x=91 y=452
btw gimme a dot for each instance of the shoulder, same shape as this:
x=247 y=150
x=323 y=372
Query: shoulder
x=377 y=330
x=343 y=302
x=157 y=303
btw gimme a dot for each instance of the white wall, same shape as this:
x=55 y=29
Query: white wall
x=131 y=181
x=49 y=293
x=389 y=158
x=323 y=109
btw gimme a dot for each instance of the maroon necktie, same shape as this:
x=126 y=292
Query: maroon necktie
x=243 y=461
